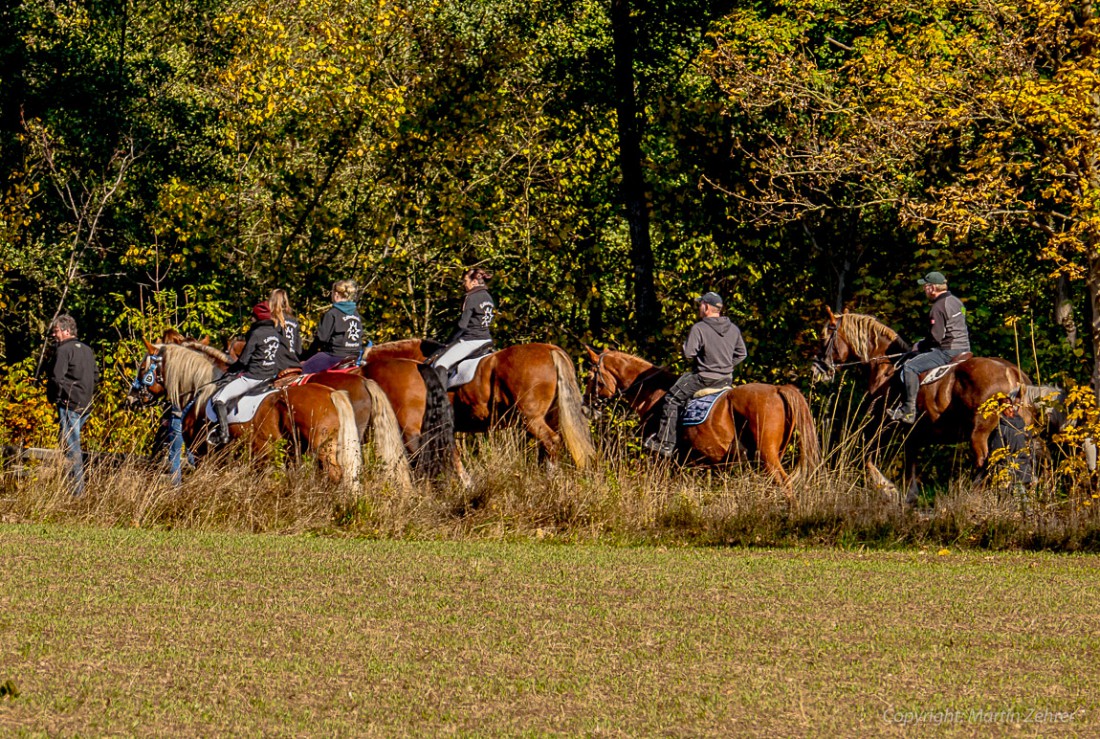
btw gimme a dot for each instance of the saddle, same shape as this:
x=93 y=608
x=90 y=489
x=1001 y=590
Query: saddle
x=936 y=373
x=464 y=371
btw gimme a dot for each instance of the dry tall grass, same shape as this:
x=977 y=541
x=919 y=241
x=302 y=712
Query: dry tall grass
x=626 y=498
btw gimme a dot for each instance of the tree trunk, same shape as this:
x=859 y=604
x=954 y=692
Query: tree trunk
x=1093 y=281
x=647 y=314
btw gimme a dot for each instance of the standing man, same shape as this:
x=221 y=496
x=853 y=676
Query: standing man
x=716 y=347
x=69 y=386
x=948 y=338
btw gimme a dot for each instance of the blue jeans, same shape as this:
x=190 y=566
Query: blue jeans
x=71 y=422
x=911 y=370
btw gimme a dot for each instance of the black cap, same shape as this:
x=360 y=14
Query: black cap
x=710 y=298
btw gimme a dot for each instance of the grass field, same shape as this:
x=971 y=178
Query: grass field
x=115 y=631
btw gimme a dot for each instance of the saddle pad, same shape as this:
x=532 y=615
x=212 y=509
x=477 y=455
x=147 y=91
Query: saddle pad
x=936 y=373
x=464 y=371
x=242 y=409
x=698 y=409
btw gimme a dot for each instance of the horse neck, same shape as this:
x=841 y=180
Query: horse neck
x=643 y=384
x=193 y=381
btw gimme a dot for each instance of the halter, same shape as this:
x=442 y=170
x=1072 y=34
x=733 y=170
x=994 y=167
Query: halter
x=143 y=383
x=597 y=402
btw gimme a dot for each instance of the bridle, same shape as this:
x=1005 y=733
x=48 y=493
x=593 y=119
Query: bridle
x=825 y=364
x=153 y=375
x=596 y=401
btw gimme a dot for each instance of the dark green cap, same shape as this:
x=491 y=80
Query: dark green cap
x=933 y=278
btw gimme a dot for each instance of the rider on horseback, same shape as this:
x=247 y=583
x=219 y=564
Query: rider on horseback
x=473 y=334
x=285 y=320
x=716 y=346
x=340 y=333
x=949 y=338
x=266 y=353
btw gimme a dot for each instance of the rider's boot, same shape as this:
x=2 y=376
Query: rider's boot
x=664 y=441
x=220 y=435
x=906 y=411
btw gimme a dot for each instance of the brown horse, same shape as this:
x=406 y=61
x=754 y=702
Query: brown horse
x=948 y=408
x=762 y=418
x=313 y=418
x=534 y=381
x=418 y=400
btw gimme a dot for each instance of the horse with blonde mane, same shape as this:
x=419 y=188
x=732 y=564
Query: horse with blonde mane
x=309 y=418
x=533 y=383
x=949 y=409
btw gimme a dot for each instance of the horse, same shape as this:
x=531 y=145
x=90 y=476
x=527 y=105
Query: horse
x=949 y=410
x=535 y=382
x=312 y=418
x=419 y=402
x=760 y=417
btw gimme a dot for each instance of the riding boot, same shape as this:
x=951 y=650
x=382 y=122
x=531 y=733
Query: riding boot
x=664 y=441
x=906 y=411
x=220 y=437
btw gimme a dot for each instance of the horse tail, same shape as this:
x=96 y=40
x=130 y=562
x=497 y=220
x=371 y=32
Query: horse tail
x=386 y=435
x=348 y=452
x=437 y=454
x=809 y=448
x=571 y=421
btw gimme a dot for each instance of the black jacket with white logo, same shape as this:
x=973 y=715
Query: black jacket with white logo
x=266 y=352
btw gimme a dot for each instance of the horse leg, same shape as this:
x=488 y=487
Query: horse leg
x=912 y=492
x=549 y=441
x=769 y=445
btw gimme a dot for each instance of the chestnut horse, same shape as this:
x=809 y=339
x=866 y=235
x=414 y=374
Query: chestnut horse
x=535 y=381
x=948 y=409
x=762 y=418
x=419 y=401
x=314 y=418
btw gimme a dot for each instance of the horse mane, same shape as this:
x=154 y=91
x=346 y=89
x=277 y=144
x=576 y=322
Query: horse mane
x=213 y=352
x=864 y=333
x=188 y=372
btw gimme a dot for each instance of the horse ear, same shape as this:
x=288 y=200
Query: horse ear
x=149 y=347
x=205 y=341
x=592 y=355
x=832 y=316
x=845 y=311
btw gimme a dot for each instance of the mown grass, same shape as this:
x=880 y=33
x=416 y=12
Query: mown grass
x=138 y=632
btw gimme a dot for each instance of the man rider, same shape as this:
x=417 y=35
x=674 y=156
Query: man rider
x=715 y=345
x=948 y=338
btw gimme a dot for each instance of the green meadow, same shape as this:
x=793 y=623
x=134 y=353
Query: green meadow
x=114 y=631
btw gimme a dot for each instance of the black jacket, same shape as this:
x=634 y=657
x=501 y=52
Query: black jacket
x=266 y=352
x=478 y=310
x=716 y=346
x=72 y=377
x=293 y=333
x=340 y=333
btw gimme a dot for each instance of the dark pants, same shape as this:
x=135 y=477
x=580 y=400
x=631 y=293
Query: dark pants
x=679 y=394
x=911 y=371
x=71 y=422
x=320 y=362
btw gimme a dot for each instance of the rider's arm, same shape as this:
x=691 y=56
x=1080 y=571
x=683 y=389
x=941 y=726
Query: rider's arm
x=938 y=317
x=739 y=351
x=327 y=327
x=694 y=342
x=246 y=355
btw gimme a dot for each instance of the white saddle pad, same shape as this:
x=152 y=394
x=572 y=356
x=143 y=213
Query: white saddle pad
x=465 y=370
x=936 y=373
x=241 y=410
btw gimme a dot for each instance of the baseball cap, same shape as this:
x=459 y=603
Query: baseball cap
x=933 y=278
x=710 y=298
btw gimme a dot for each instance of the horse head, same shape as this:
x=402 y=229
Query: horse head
x=148 y=384
x=833 y=350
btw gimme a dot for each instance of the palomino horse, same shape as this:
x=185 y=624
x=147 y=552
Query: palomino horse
x=762 y=418
x=948 y=408
x=537 y=381
x=419 y=401
x=311 y=418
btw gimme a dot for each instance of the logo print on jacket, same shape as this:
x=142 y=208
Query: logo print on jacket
x=487 y=318
x=271 y=347
x=354 y=330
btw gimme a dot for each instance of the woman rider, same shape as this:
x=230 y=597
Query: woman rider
x=473 y=325
x=340 y=333
x=266 y=353
x=283 y=316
